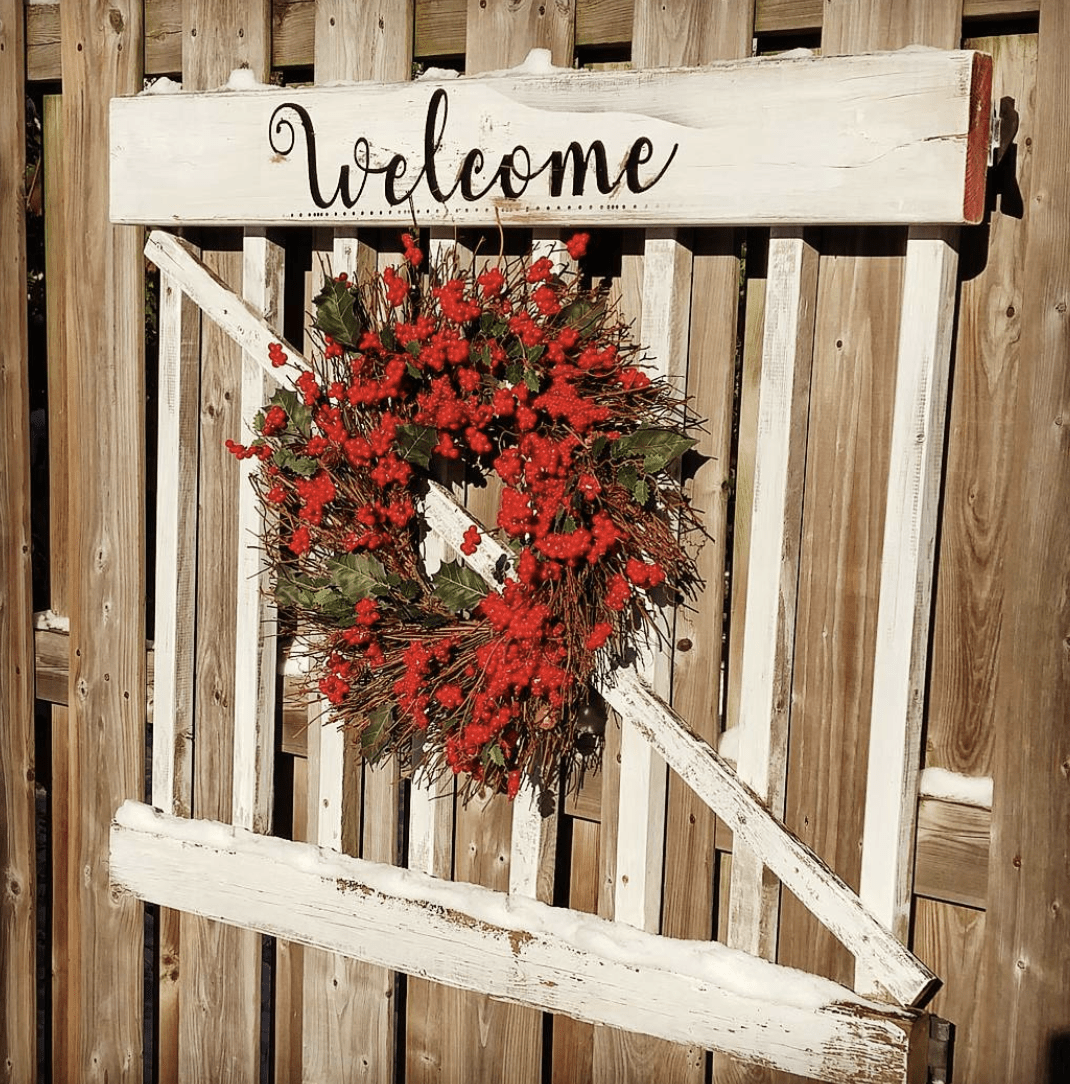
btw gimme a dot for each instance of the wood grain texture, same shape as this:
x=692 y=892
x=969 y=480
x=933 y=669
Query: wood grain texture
x=971 y=605
x=855 y=345
x=18 y=1046
x=500 y=34
x=951 y=939
x=851 y=27
x=1027 y=951
x=439 y=28
x=952 y=854
x=104 y=302
x=178 y=394
x=256 y=622
x=59 y=550
x=219 y=981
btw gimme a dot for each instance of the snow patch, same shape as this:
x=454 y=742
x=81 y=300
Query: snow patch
x=51 y=621
x=794 y=54
x=728 y=745
x=163 y=85
x=244 y=79
x=436 y=75
x=975 y=790
x=537 y=62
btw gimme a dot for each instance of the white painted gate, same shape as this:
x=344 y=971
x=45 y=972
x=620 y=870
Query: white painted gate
x=891 y=138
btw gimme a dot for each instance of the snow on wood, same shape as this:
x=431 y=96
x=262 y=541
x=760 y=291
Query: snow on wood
x=255 y=626
x=176 y=540
x=881 y=138
x=533 y=846
x=904 y=608
x=237 y=318
x=769 y=625
x=515 y=949
x=945 y=786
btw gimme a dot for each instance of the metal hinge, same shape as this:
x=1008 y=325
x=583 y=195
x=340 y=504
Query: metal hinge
x=941 y=1049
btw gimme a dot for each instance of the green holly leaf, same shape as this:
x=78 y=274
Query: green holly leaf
x=495 y=755
x=584 y=315
x=641 y=491
x=413 y=347
x=372 y=737
x=293 y=588
x=413 y=371
x=598 y=446
x=299 y=415
x=414 y=443
x=388 y=338
x=358 y=576
x=658 y=447
x=458 y=587
x=299 y=464
x=628 y=476
x=337 y=314
x=531 y=378
x=514 y=372
x=534 y=353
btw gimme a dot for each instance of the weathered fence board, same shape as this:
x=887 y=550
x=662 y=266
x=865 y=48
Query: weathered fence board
x=18 y=929
x=1025 y=930
x=904 y=616
x=700 y=993
x=885 y=138
x=104 y=301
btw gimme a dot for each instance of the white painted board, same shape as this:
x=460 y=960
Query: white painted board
x=516 y=949
x=884 y=138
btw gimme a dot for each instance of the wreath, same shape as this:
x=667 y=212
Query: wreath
x=522 y=377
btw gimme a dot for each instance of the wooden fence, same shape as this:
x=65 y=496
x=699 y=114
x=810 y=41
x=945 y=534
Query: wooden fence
x=991 y=878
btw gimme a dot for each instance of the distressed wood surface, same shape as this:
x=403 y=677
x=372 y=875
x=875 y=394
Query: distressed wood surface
x=219 y=979
x=1026 y=954
x=104 y=326
x=18 y=928
x=666 y=311
x=439 y=28
x=178 y=395
x=255 y=621
x=851 y=132
x=971 y=605
x=951 y=860
x=855 y=350
x=59 y=549
x=904 y=615
x=776 y=510
x=463 y=935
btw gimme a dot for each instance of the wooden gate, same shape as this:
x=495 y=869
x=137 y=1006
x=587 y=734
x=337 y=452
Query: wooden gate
x=892 y=138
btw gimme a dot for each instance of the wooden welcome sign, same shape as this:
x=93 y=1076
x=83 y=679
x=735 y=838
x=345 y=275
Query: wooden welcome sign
x=887 y=138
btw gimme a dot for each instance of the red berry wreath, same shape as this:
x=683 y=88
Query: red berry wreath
x=523 y=372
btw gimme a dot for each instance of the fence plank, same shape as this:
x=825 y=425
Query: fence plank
x=18 y=1047
x=1027 y=954
x=219 y=976
x=59 y=548
x=518 y=949
x=901 y=651
x=971 y=596
x=178 y=393
x=255 y=620
x=105 y=356
x=856 y=343
x=769 y=625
